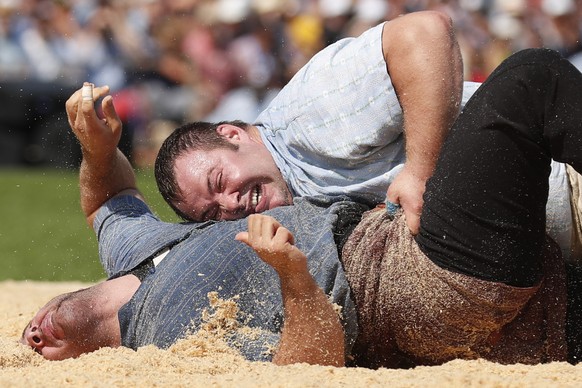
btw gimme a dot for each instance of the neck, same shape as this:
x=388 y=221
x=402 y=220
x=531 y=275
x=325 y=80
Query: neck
x=254 y=133
x=117 y=292
x=111 y=296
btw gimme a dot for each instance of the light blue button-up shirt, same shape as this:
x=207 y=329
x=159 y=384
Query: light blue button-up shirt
x=337 y=127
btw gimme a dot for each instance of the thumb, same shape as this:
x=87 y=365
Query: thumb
x=243 y=237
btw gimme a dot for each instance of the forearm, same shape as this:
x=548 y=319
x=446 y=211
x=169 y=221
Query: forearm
x=425 y=65
x=312 y=332
x=101 y=178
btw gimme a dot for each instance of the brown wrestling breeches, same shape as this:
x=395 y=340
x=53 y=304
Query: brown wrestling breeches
x=413 y=312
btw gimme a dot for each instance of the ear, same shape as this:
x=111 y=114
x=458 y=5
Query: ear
x=230 y=132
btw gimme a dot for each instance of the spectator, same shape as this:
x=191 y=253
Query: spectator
x=193 y=59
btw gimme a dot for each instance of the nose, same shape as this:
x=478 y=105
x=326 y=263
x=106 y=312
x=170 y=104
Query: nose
x=231 y=206
x=34 y=337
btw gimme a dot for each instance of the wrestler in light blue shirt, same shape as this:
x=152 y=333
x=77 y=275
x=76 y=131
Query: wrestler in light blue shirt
x=337 y=129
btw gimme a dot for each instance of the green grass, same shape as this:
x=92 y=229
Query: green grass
x=43 y=233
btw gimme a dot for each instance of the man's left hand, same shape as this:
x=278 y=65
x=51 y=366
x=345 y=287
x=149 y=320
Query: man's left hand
x=407 y=190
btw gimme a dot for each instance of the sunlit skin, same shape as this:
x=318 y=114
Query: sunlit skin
x=226 y=184
x=80 y=322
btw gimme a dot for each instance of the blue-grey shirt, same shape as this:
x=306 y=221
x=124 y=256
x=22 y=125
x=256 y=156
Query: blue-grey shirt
x=204 y=258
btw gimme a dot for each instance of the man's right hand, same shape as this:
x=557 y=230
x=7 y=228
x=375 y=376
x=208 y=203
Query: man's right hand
x=99 y=137
x=105 y=171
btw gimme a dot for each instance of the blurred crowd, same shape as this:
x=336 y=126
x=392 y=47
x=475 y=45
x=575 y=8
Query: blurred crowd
x=169 y=61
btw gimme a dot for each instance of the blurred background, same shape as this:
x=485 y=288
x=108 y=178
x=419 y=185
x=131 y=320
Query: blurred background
x=172 y=61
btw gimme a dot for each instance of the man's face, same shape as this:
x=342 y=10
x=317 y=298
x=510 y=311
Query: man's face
x=70 y=325
x=227 y=184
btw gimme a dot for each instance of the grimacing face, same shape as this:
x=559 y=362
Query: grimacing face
x=228 y=184
x=69 y=325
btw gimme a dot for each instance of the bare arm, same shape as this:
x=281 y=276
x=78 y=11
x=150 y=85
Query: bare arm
x=312 y=331
x=425 y=65
x=105 y=171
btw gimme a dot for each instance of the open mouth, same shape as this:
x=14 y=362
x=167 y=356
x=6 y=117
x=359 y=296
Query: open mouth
x=256 y=196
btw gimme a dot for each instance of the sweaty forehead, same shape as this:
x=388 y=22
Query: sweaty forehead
x=196 y=163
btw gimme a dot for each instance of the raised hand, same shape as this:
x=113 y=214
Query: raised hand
x=274 y=244
x=97 y=135
x=312 y=331
x=105 y=171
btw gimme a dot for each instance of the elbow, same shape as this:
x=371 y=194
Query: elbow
x=429 y=26
x=417 y=30
x=439 y=25
x=437 y=18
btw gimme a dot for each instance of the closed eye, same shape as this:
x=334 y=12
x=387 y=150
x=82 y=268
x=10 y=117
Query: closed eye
x=219 y=183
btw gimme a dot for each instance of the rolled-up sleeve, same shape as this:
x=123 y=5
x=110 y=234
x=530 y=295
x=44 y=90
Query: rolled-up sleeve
x=129 y=233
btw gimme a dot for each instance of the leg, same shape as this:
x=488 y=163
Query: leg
x=484 y=211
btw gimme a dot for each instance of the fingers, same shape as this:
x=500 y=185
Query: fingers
x=274 y=245
x=72 y=107
x=110 y=114
x=87 y=91
x=268 y=226
x=283 y=236
x=264 y=231
x=413 y=222
x=87 y=107
x=411 y=214
x=261 y=227
x=90 y=94
x=74 y=103
x=406 y=191
x=254 y=229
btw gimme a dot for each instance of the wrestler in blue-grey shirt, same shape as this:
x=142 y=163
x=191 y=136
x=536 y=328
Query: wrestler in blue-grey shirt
x=205 y=257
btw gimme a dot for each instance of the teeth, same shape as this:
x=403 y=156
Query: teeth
x=256 y=197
